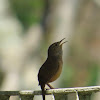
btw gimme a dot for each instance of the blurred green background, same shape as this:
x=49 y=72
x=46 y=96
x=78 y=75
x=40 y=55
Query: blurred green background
x=27 y=28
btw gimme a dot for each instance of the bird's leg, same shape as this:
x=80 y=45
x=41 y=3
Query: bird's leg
x=50 y=86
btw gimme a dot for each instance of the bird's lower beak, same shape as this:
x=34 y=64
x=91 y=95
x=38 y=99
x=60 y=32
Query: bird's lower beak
x=61 y=42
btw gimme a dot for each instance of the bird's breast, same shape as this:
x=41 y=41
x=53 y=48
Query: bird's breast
x=57 y=73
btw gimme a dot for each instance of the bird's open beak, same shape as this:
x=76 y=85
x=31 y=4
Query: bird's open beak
x=61 y=42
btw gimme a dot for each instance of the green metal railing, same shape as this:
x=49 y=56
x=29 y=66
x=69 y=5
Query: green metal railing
x=81 y=93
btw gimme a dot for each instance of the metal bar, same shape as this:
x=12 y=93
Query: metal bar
x=70 y=90
x=53 y=98
x=82 y=93
x=77 y=96
x=13 y=93
x=54 y=91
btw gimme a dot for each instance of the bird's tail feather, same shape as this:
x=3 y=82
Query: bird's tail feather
x=43 y=92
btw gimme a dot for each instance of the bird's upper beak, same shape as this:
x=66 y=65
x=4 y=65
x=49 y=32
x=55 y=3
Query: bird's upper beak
x=61 y=42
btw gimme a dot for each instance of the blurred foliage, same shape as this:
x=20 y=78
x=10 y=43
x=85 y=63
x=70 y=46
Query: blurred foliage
x=28 y=11
x=68 y=73
x=93 y=74
x=70 y=78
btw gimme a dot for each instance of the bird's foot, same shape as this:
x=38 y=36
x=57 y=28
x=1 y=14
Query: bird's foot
x=50 y=86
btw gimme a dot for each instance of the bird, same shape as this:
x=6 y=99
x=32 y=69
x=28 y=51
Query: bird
x=52 y=67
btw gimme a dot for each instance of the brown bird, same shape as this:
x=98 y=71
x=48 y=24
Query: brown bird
x=52 y=67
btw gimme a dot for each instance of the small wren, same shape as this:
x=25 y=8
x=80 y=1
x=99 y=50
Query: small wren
x=52 y=67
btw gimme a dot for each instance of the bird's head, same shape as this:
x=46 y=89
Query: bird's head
x=55 y=49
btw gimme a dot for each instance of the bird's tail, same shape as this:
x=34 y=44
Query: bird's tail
x=43 y=92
